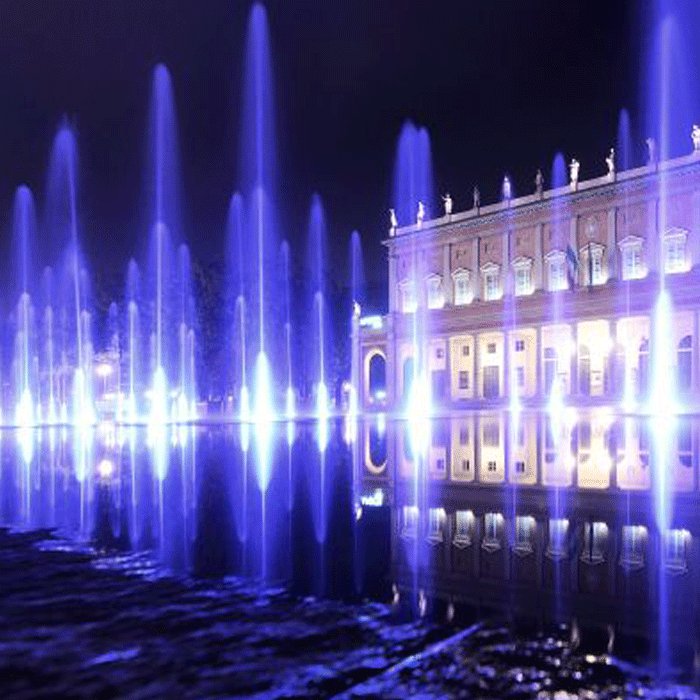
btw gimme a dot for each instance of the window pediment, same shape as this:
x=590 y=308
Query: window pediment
x=555 y=256
x=676 y=233
x=593 y=247
x=631 y=242
x=490 y=267
x=522 y=262
x=461 y=273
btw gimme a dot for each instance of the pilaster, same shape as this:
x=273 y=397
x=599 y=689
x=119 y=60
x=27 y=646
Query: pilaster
x=538 y=263
x=447 y=286
x=573 y=243
x=613 y=266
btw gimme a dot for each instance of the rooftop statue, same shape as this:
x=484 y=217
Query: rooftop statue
x=507 y=190
x=573 y=173
x=421 y=214
x=477 y=197
x=610 y=162
x=356 y=309
x=393 y=221
x=539 y=182
x=695 y=135
x=651 y=149
x=448 y=204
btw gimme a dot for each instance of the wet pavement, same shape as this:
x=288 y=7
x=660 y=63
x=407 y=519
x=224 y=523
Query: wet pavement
x=75 y=623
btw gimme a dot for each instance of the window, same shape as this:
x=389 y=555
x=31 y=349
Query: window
x=685 y=363
x=464 y=379
x=436 y=518
x=558 y=530
x=492 y=287
x=524 y=529
x=465 y=465
x=520 y=376
x=674 y=251
x=643 y=360
x=592 y=262
x=439 y=353
x=491 y=348
x=462 y=287
x=520 y=467
x=463 y=436
x=491 y=382
x=634 y=539
x=632 y=266
x=491 y=466
x=519 y=345
x=436 y=300
x=676 y=551
x=556 y=265
x=465 y=351
x=464 y=527
x=491 y=434
x=523 y=277
x=595 y=538
x=440 y=465
x=410 y=521
x=493 y=525
x=408 y=297
x=685 y=443
x=550 y=369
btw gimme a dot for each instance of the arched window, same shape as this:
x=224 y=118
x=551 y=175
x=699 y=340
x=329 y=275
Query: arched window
x=685 y=363
x=377 y=377
x=377 y=446
x=644 y=366
x=550 y=369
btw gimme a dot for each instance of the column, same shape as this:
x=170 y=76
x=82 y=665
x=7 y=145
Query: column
x=507 y=276
x=694 y=235
x=507 y=380
x=392 y=282
x=574 y=359
x=538 y=362
x=538 y=276
x=613 y=271
x=478 y=393
x=476 y=272
x=447 y=286
x=392 y=368
x=573 y=223
x=653 y=236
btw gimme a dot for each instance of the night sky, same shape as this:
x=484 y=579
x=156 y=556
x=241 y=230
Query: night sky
x=501 y=85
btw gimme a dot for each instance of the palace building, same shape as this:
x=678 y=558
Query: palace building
x=552 y=290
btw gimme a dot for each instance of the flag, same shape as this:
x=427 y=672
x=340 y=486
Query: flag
x=571 y=266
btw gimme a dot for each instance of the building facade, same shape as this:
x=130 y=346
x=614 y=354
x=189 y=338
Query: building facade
x=556 y=290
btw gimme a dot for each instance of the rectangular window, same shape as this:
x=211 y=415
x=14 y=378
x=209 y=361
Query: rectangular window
x=524 y=529
x=410 y=521
x=491 y=287
x=493 y=524
x=439 y=353
x=675 y=253
x=595 y=537
x=491 y=382
x=632 y=262
x=408 y=298
x=520 y=467
x=519 y=345
x=557 y=274
x=465 y=465
x=492 y=436
x=597 y=266
x=520 y=376
x=491 y=348
x=435 y=298
x=523 y=284
x=462 y=292
x=491 y=466
x=436 y=518
x=440 y=465
x=463 y=436
x=464 y=379
x=464 y=527
x=465 y=351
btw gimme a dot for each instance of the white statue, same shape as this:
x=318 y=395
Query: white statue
x=695 y=135
x=477 y=197
x=507 y=190
x=356 y=310
x=448 y=204
x=610 y=162
x=394 y=222
x=421 y=214
x=651 y=148
x=539 y=181
x=573 y=173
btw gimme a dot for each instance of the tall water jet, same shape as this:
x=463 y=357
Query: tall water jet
x=164 y=217
x=258 y=175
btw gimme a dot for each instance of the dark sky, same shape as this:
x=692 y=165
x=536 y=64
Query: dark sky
x=501 y=85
